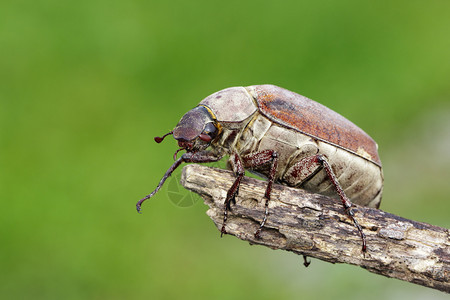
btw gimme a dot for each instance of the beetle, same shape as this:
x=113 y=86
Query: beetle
x=284 y=137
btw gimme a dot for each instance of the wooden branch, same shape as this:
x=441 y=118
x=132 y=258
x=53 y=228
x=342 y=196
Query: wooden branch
x=317 y=226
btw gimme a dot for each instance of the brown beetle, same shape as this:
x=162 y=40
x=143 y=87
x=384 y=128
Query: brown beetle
x=284 y=137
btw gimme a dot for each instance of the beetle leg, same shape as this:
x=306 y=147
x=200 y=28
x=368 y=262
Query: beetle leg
x=232 y=192
x=308 y=167
x=306 y=263
x=194 y=157
x=257 y=159
x=345 y=201
x=302 y=170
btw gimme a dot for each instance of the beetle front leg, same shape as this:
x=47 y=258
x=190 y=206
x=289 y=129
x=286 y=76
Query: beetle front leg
x=254 y=160
x=189 y=157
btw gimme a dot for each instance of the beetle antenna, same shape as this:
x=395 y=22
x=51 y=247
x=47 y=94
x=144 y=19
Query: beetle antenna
x=160 y=139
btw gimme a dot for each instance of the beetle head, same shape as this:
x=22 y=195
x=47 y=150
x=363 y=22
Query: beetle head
x=196 y=130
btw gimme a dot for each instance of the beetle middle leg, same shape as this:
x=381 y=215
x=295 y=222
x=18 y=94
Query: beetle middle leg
x=257 y=159
x=251 y=161
x=239 y=170
x=308 y=167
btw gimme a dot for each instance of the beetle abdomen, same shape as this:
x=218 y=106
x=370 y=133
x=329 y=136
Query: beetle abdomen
x=361 y=179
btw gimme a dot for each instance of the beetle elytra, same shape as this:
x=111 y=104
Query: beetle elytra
x=284 y=137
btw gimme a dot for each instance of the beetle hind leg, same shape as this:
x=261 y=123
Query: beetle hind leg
x=306 y=168
x=345 y=201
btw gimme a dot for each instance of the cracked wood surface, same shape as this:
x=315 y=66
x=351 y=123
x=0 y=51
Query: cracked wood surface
x=317 y=226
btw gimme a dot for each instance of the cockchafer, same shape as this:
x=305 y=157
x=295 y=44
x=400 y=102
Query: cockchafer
x=284 y=137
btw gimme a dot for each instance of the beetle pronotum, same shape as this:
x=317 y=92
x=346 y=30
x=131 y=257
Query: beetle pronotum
x=284 y=137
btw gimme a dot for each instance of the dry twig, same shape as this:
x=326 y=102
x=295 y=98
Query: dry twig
x=317 y=226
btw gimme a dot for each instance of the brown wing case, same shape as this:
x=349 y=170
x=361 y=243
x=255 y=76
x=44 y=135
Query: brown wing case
x=311 y=118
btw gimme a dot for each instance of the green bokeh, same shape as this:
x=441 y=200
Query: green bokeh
x=86 y=85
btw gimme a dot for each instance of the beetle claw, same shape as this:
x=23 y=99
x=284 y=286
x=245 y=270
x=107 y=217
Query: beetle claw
x=223 y=230
x=232 y=200
x=306 y=263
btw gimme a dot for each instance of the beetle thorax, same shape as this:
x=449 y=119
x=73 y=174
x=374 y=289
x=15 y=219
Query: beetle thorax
x=243 y=137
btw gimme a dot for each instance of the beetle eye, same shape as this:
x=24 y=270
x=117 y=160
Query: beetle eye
x=210 y=131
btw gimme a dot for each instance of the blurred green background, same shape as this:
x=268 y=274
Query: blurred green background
x=86 y=85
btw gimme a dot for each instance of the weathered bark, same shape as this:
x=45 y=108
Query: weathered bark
x=317 y=226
